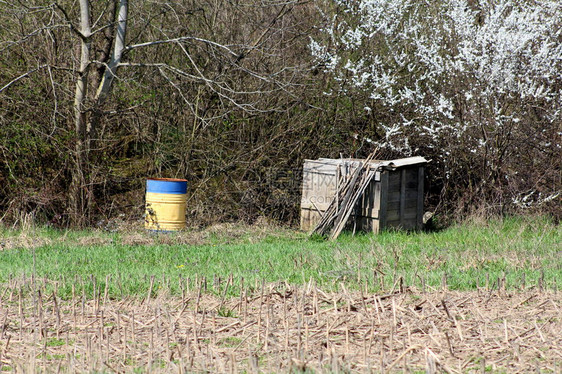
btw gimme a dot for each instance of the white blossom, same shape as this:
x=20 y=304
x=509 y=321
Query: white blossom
x=447 y=68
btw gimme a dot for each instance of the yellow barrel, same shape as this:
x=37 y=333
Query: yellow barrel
x=165 y=204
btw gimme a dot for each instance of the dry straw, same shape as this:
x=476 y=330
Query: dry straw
x=280 y=328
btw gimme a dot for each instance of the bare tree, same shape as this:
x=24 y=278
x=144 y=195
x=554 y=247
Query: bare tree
x=109 y=42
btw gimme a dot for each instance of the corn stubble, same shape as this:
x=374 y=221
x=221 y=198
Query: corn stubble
x=279 y=328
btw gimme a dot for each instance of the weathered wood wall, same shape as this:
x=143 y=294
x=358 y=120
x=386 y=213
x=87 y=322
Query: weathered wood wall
x=394 y=198
x=404 y=194
x=319 y=187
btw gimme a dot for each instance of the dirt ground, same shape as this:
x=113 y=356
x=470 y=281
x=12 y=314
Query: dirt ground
x=279 y=328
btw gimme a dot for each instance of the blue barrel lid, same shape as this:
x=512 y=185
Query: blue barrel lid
x=166 y=185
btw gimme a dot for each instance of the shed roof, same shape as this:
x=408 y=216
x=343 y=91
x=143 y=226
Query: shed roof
x=386 y=164
x=401 y=162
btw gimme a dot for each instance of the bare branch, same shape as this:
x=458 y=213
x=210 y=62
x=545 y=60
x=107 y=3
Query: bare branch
x=56 y=101
x=260 y=38
x=180 y=92
x=160 y=65
x=198 y=78
x=32 y=34
x=22 y=76
x=102 y=14
x=181 y=39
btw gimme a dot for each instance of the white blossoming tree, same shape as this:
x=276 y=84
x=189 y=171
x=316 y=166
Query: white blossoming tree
x=475 y=85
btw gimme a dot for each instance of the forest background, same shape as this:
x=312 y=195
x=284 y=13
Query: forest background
x=95 y=97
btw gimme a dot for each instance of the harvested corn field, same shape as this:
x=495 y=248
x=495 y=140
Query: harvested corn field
x=279 y=328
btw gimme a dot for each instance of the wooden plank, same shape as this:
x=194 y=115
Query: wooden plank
x=364 y=183
x=321 y=192
x=393 y=206
x=367 y=224
x=394 y=179
x=325 y=169
x=419 y=218
x=304 y=220
x=338 y=181
x=363 y=201
x=383 y=200
x=396 y=196
x=408 y=224
x=394 y=224
x=319 y=171
x=374 y=214
x=376 y=205
x=312 y=204
x=369 y=205
x=412 y=204
x=375 y=225
x=318 y=190
x=349 y=193
x=331 y=161
x=393 y=209
x=412 y=178
x=395 y=215
x=402 y=194
x=393 y=196
x=309 y=218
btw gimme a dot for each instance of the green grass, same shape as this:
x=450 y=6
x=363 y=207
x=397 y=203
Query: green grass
x=54 y=342
x=466 y=255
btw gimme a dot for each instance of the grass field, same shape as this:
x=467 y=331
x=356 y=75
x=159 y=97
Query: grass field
x=474 y=298
x=514 y=252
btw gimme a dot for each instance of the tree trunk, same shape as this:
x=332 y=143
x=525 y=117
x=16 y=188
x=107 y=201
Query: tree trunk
x=106 y=83
x=107 y=80
x=77 y=191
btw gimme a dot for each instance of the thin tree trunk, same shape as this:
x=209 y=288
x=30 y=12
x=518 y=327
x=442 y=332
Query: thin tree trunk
x=77 y=187
x=106 y=83
x=105 y=52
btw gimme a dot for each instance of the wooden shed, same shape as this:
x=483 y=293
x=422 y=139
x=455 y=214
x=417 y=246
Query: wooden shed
x=392 y=199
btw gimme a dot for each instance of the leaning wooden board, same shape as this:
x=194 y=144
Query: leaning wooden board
x=393 y=197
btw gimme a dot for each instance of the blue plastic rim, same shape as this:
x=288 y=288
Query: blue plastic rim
x=166 y=185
